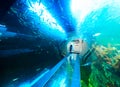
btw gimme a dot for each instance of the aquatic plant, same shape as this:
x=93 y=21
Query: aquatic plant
x=105 y=67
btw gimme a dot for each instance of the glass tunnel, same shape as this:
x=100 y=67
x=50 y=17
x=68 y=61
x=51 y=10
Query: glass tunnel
x=59 y=43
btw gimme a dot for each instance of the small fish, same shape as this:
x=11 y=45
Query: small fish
x=96 y=34
x=38 y=69
x=15 y=79
x=87 y=64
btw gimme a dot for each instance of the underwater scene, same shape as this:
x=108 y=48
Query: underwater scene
x=59 y=43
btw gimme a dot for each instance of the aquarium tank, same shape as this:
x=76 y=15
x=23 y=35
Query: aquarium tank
x=59 y=43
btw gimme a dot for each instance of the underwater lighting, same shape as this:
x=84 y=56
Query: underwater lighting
x=81 y=8
x=80 y=5
x=45 y=16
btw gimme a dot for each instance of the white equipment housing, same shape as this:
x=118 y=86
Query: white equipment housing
x=75 y=46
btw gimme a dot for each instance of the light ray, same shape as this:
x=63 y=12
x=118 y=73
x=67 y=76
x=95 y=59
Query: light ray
x=45 y=16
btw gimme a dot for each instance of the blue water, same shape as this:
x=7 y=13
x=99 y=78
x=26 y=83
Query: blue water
x=33 y=32
x=105 y=21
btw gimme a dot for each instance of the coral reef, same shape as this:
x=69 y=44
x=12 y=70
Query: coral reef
x=105 y=68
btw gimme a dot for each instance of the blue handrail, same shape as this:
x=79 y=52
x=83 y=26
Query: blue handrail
x=76 y=73
x=48 y=75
